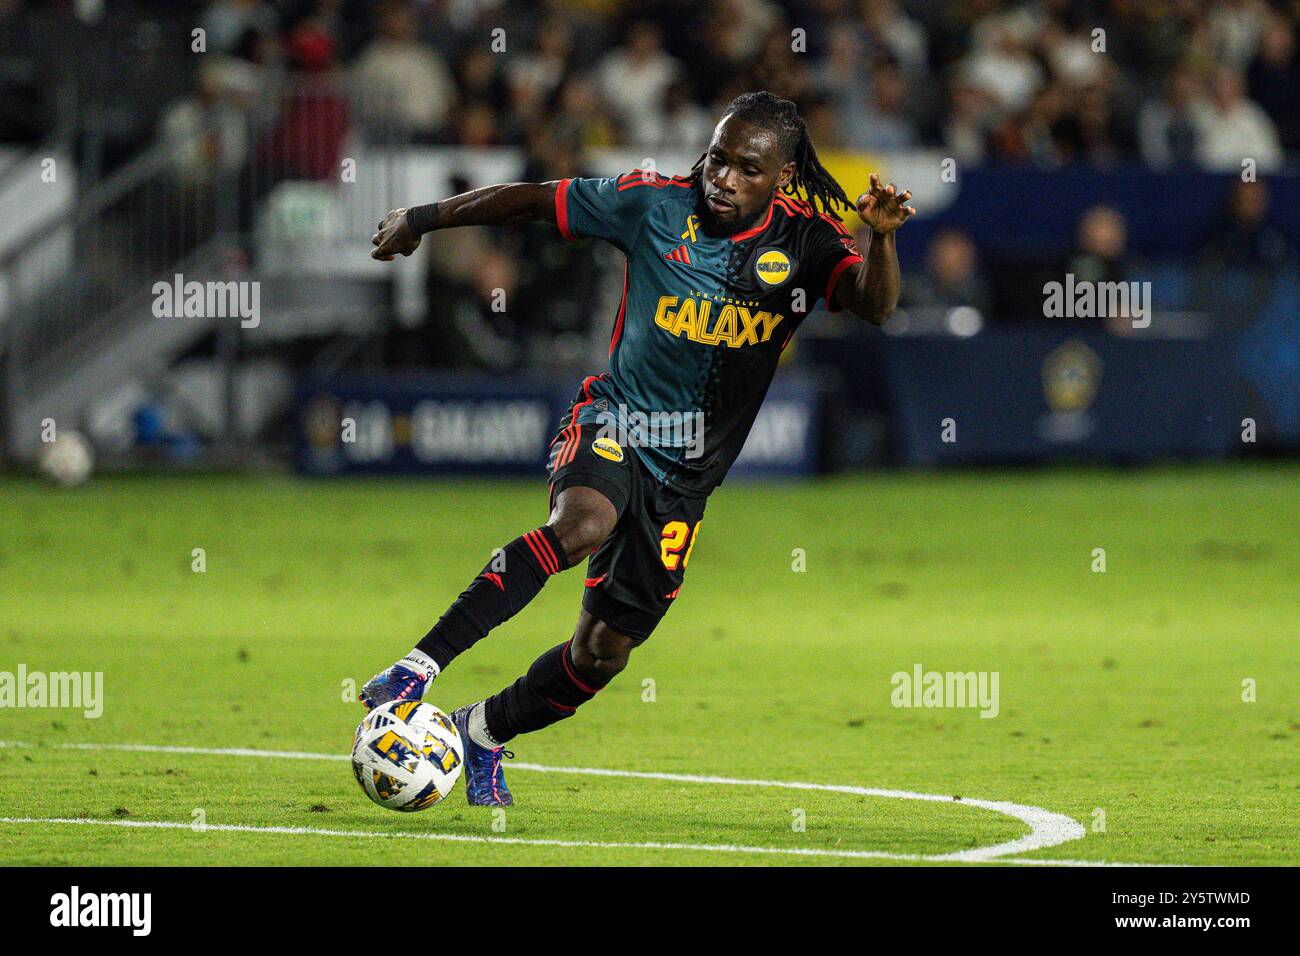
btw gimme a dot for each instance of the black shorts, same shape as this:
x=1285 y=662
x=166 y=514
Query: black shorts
x=637 y=573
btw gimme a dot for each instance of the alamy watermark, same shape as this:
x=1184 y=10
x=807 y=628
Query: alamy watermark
x=81 y=690
x=212 y=300
x=130 y=910
x=922 y=688
x=1084 y=299
x=654 y=429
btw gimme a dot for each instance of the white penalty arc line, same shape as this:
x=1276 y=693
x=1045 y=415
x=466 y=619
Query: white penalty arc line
x=521 y=841
x=1046 y=829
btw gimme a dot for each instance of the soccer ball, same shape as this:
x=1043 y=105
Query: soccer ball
x=407 y=755
x=68 y=460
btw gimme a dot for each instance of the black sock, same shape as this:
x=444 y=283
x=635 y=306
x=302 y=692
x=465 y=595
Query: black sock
x=508 y=582
x=550 y=691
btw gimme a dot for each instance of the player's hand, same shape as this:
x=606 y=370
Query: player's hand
x=394 y=237
x=881 y=207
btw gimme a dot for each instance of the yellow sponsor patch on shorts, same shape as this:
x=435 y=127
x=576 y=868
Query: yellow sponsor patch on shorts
x=608 y=448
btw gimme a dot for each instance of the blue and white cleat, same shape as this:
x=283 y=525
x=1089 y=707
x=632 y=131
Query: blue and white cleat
x=399 y=682
x=485 y=779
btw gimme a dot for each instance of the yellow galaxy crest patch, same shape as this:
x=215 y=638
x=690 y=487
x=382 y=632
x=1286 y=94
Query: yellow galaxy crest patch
x=772 y=267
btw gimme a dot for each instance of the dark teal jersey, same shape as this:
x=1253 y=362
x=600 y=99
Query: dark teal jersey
x=703 y=319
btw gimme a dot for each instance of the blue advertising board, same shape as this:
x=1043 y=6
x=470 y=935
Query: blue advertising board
x=481 y=425
x=1034 y=395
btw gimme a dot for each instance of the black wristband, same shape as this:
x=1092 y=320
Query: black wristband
x=422 y=219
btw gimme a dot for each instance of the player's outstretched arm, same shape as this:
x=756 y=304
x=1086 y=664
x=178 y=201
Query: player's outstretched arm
x=500 y=205
x=870 y=290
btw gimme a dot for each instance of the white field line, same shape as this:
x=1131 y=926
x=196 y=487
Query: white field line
x=518 y=841
x=1046 y=828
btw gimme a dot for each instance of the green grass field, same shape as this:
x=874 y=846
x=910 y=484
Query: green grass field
x=1121 y=693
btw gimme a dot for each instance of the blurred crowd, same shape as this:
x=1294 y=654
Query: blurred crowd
x=1038 y=83
x=281 y=86
x=1043 y=82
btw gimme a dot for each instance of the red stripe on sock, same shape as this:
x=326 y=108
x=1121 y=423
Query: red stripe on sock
x=558 y=706
x=568 y=670
x=533 y=548
x=537 y=553
x=541 y=536
x=547 y=551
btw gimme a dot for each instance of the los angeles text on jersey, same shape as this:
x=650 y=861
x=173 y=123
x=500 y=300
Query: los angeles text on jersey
x=735 y=325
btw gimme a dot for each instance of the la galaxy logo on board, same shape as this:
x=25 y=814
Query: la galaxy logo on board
x=773 y=267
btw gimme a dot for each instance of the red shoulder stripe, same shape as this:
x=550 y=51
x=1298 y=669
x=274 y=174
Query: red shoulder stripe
x=839 y=226
x=798 y=205
x=784 y=202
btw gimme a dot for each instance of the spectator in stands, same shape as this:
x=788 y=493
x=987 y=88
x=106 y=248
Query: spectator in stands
x=1274 y=79
x=207 y=133
x=560 y=302
x=1235 y=29
x=402 y=86
x=1230 y=128
x=1101 y=254
x=536 y=75
x=1162 y=35
x=307 y=139
x=478 y=314
x=900 y=38
x=886 y=123
x=1243 y=237
x=632 y=80
x=721 y=44
x=476 y=125
x=575 y=116
x=1102 y=246
x=1005 y=70
x=1168 y=131
x=225 y=22
x=777 y=67
x=1038 y=137
x=1066 y=46
x=823 y=122
x=735 y=30
x=952 y=276
x=685 y=122
x=842 y=76
x=1089 y=131
x=480 y=78
x=969 y=118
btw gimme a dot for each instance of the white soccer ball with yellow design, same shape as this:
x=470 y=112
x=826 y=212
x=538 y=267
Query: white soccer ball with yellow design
x=407 y=755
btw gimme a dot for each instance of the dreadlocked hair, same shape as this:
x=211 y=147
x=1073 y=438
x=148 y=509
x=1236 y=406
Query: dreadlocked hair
x=782 y=117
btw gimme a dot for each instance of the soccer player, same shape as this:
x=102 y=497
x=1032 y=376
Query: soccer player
x=722 y=266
